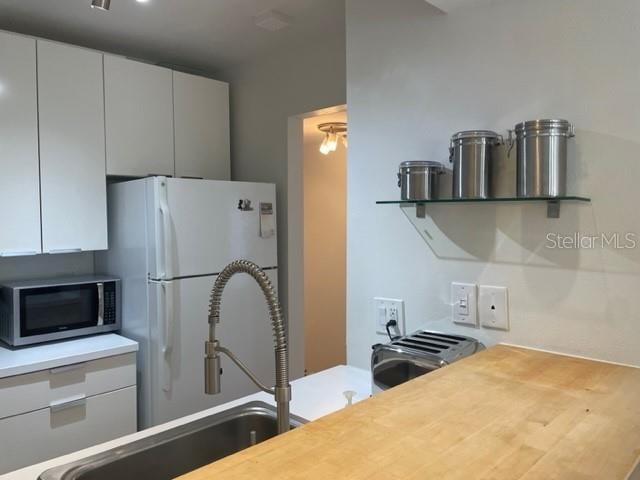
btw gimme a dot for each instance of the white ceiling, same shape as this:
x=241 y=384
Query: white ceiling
x=205 y=35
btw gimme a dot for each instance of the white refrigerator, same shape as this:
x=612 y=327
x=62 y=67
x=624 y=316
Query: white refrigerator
x=168 y=239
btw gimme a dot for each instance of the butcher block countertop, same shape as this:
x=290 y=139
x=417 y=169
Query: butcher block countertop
x=505 y=413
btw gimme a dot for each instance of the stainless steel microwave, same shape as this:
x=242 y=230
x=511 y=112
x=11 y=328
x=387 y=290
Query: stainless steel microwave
x=47 y=310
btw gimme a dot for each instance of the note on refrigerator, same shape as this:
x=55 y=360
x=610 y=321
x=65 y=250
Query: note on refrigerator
x=267 y=220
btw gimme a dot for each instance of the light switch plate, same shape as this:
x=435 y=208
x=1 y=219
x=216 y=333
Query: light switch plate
x=387 y=309
x=464 y=304
x=494 y=308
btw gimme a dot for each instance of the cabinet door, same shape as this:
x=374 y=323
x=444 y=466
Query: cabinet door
x=201 y=108
x=72 y=157
x=139 y=118
x=20 y=176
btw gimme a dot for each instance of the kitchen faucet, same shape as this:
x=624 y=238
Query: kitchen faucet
x=282 y=390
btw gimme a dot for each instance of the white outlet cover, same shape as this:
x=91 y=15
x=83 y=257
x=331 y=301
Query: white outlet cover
x=494 y=307
x=383 y=308
x=461 y=314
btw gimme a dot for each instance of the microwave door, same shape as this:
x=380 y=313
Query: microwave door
x=58 y=309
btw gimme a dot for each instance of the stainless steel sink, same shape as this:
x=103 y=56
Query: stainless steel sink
x=180 y=450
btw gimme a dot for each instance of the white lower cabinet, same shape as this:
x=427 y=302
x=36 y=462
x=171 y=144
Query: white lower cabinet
x=53 y=412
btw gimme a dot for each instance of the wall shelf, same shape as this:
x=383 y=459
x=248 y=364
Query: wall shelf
x=553 y=203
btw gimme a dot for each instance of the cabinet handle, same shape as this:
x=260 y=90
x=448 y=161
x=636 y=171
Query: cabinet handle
x=63 y=250
x=71 y=402
x=67 y=368
x=18 y=254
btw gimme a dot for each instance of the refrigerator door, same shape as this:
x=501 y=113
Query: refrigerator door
x=199 y=226
x=179 y=329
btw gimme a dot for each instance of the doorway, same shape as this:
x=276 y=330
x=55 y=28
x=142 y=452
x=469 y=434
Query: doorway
x=317 y=240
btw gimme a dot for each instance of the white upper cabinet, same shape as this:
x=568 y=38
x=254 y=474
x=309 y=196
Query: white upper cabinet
x=139 y=118
x=72 y=148
x=201 y=109
x=19 y=170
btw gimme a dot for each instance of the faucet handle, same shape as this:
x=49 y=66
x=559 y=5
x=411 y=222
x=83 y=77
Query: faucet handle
x=212 y=369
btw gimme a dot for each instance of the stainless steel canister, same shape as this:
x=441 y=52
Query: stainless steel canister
x=418 y=180
x=541 y=151
x=472 y=153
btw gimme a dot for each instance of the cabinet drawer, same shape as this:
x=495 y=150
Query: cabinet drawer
x=50 y=432
x=37 y=390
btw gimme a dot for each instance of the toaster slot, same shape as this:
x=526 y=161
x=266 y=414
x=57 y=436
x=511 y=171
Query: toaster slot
x=416 y=346
x=443 y=338
x=426 y=343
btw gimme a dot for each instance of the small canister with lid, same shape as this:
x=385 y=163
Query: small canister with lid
x=418 y=180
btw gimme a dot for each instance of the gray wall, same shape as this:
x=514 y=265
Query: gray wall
x=264 y=94
x=44 y=266
x=415 y=77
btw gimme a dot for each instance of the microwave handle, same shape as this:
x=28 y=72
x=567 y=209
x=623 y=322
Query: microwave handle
x=100 y=286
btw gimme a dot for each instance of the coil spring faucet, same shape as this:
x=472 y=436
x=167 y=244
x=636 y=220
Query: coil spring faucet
x=282 y=390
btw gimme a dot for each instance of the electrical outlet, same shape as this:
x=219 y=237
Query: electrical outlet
x=494 y=307
x=387 y=309
x=464 y=304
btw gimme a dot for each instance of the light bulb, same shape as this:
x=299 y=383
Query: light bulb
x=345 y=142
x=324 y=147
x=332 y=141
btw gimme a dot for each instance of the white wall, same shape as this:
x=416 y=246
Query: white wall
x=414 y=77
x=264 y=94
x=325 y=245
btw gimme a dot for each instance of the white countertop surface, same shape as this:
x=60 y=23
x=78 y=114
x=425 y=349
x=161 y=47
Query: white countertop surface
x=312 y=397
x=23 y=360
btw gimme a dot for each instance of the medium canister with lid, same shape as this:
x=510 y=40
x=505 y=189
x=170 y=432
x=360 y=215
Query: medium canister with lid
x=472 y=153
x=541 y=152
x=418 y=180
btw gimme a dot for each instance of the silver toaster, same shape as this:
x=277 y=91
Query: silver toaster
x=414 y=355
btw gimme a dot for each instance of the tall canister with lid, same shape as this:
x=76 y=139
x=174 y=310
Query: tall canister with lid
x=541 y=157
x=472 y=153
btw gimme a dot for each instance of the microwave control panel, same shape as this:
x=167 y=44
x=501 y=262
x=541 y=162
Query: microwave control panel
x=110 y=306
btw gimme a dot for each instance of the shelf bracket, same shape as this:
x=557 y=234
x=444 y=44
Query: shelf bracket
x=553 y=209
x=421 y=210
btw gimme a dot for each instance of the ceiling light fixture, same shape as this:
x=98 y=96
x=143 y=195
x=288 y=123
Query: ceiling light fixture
x=332 y=132
x=101 y=4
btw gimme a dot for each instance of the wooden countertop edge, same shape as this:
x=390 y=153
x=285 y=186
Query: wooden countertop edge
x=570 y=355
x=250 y=458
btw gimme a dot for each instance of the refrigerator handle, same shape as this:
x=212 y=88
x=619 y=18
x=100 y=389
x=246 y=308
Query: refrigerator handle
x=167 y=261
x=167 y=316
